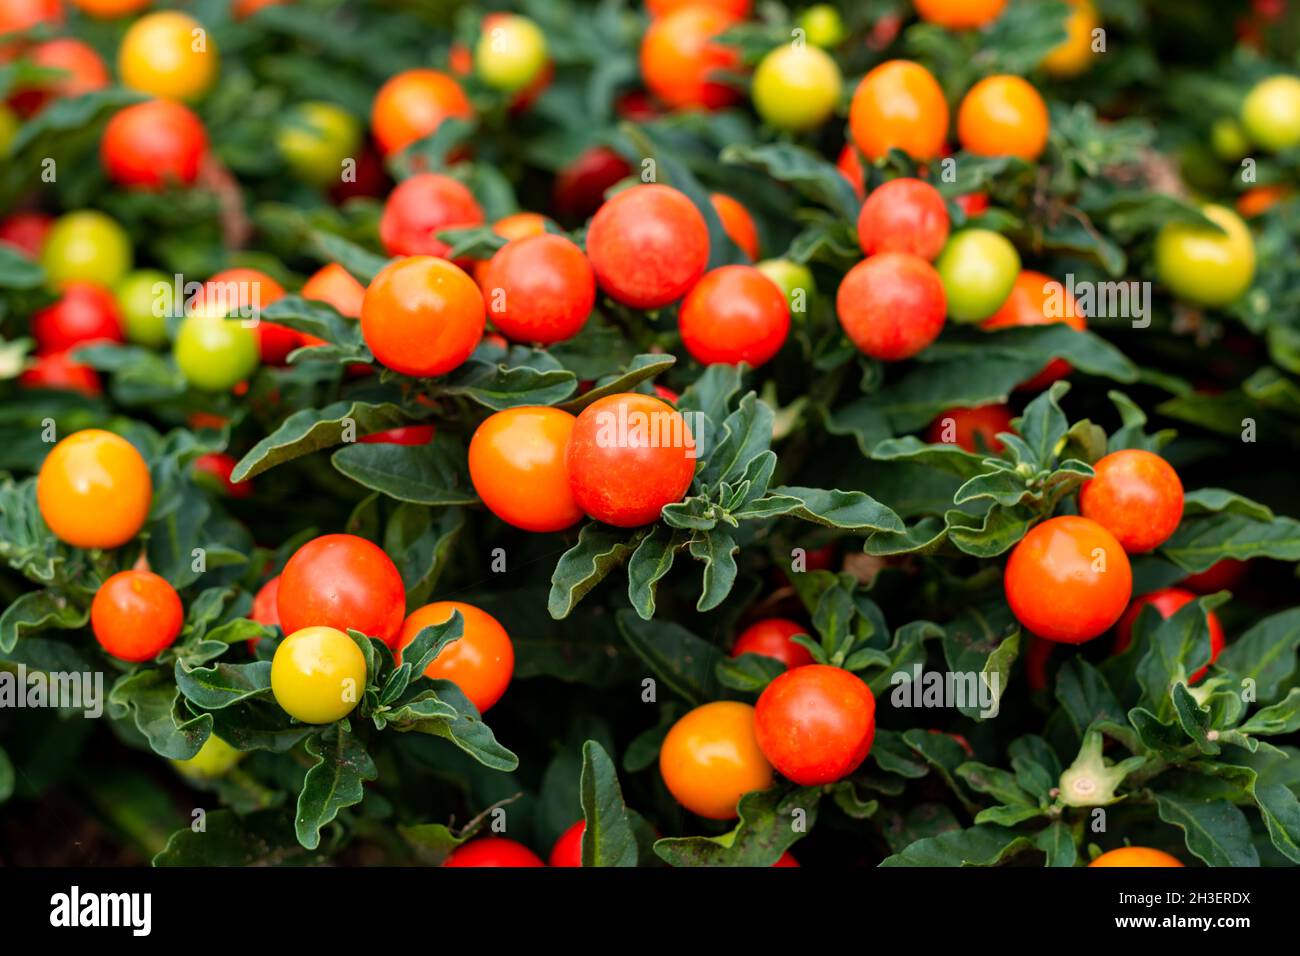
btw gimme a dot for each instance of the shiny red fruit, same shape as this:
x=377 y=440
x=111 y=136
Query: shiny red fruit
x=85 y=313
x=734 y=314
x=493 y=851
x=153 y=144
x=892 y=305
x=421 y=207
x=218 y=465
x=815 y=724
x=1167 y=602
x=770 y=637
x=342 y=581
x=580 y=187
x=58 y=371
x=26 y=231
x=904 y=215
x=568 y=848
x=649 y=245
x=972 y=429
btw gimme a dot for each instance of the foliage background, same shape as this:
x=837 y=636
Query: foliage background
x=1129 y=149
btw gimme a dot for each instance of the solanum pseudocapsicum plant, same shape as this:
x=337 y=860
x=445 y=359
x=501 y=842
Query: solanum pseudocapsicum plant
x=366 y=575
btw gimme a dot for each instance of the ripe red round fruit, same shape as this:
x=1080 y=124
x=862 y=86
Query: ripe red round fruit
x=135 y=615
x=421 y=207
x=580 y=186
x=737 y=223
x=493 y=851
x=968 y=427
x=568 y=848
x=84 y=73
x=904 y=215
x=422 y=316
x=402 y=435
x=18 y=15
x=680 y=57
x=734 y=314
x=517 y=464
x=628 y=456
x=892 y=305
x=770 y=637
x=710 y=759
x=1068 y=580
x=26 y=231
x=342 y=581
x=219 y=466
x=481 y=662
x=648 y=245
x=815 y=724
x=1038 y=299
x=57 y=370
x=539 y=289
x=153 y=144
x=1223 y=575
x=266 y=608
x=1136 y=496
x=85 y=313
x=1167 y=601
x=412 y=105
x=335 y=286
x=786 y=859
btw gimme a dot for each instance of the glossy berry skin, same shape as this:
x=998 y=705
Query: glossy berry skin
x=770 y=637
x=1206 y=266
x=1136 y=496
x=978 y=268
x=94 y=490
x=422 y=316
x=342 y=581
x=18 y=15
x=402 y=435
x=797 y=87
x=580 y=187
x=539 y=289
x=1222 y=575
x=1074 y=54
x=1136 y=856
x=481 y=662
x=511 y=52
x=158 y=56
x=815 y=724
x=334 y=285
x=1167 y=602
x=1068 y=580
x=412 y=105
x=135 y=615
x=1038 y=299
x=710 y=759
x=891 y=306
x=629 y=455
x=648 y=245
x=734 y=314
x=60 y=372
x=960 y=14
x=86 y=245
x=899 y=105
x=904 y=215
x=1003 y=116
x=152 y=145
x=1270 y=113
x=737 y=223
x=26 y=231
x=517 y=464
x=972 y=429
x=84 y=72
x=318 y=674
x=568 y=848
x=421 y=207
x=215 y=354
x=493 y=851
x=85 y=313
x=266 y=609
x=679 y=56
x=218 y=466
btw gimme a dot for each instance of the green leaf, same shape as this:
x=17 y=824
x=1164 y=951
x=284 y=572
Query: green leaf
x=433 y=474
x=771 y=821
x=1203 y=540
x=223 y=684
x=600 y=549
x=334 y=782
x=1265 y=654
x=154 y=704
x=608 y=839
x=313 y=429
x=1056 y=841
x=467 y=731
x=984 y=845
x=803 y=169
x=681 y=660
x=642 y=368
x=265 y=838
x=1215 y=830
x=497 y=387
x=35 y=611
x=652 y=559
x=717 y=549
x=850 y=510
x=1280 y=718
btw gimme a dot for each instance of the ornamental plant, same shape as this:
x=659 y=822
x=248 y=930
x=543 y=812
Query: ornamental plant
x=596 y=434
